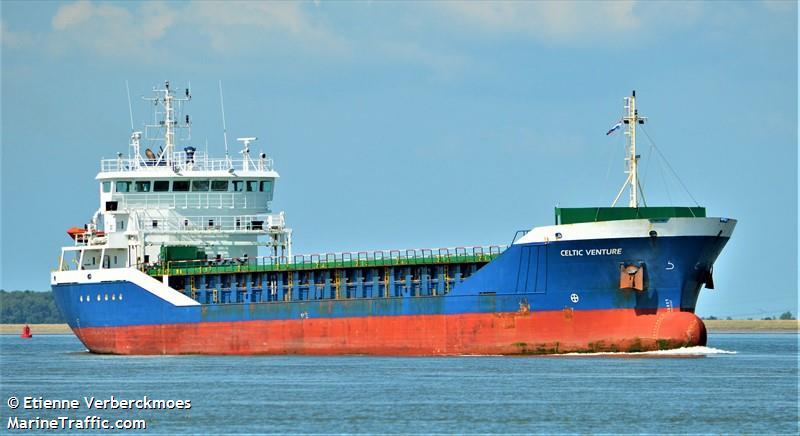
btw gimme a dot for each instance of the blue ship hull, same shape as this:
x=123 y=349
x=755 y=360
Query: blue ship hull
x=529 y=282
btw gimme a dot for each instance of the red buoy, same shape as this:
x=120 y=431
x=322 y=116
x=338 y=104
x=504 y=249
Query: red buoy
x=26 y=332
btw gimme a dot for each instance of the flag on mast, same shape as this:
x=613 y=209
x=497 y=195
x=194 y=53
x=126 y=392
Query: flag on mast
x=615 y=128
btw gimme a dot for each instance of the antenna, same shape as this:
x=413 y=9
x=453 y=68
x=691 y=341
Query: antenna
x=135 y=136
x=224 y=127
x=130 y=109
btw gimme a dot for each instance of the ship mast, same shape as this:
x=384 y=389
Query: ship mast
x=169 y=115
x=630 y=120
x=168 y=99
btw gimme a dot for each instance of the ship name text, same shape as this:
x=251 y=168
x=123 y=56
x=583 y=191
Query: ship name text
x=592 y=252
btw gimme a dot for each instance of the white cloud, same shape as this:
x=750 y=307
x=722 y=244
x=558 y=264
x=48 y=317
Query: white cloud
x=10 y=39
x=237 y=26
x=118 y=30
x=157 y=18
x=108 y=29
x=780 y=5
x=585 y=23
x=554 y=21
x=151 y=31
x=73 y=14
x=443 y=64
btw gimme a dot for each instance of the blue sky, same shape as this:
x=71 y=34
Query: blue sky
x=399 y=125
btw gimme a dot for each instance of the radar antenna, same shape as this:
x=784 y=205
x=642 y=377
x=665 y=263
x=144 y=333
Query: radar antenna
x=246 y=151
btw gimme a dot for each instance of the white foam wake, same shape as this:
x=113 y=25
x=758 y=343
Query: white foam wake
x=677 y=352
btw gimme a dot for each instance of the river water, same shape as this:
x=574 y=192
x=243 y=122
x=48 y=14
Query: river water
x=740 y=383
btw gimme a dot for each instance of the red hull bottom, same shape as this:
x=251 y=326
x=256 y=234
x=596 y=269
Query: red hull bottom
x=516 y=333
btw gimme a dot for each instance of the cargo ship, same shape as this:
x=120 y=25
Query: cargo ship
x=185 y=256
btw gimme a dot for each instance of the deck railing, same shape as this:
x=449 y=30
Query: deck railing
x=181 y=162
x=194 y=200
x=378 y=258
x=235 y=223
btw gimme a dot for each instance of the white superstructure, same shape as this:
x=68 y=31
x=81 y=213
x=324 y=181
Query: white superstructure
x=179 y=198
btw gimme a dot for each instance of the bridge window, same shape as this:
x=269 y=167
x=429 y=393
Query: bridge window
x=180 y=185
x=266 y=186
x=199 y=185
x=238 y=186
x=219 y=185
x=252 y=185
x=143 y=186
x=123 y=186
x=161 y=186
x=106 y=186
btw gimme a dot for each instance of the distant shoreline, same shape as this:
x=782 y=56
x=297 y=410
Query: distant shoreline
x=713 y=326
x=752 y=326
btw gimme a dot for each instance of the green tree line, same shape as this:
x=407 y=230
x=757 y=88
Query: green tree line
x=19 y=307
x=784 y=316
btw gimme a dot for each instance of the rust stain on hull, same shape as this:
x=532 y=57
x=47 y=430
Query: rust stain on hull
x=512 y=333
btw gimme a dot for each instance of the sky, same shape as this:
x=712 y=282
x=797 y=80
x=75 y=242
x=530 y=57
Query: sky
x=420 y=124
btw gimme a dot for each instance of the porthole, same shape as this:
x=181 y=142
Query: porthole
x=98 y=297
x=106 y=297
x=88 y=298
x=120 y=297
x=113 y=297
x=80 y=298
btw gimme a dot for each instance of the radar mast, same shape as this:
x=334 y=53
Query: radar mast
x=166 y=97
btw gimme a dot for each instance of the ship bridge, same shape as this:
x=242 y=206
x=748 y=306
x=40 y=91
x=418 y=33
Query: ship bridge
x=154 y=204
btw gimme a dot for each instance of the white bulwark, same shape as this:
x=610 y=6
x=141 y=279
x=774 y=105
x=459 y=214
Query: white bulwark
x=161 y=199
x=638 y=228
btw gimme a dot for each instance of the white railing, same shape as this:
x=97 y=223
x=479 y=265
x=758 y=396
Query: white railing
x=238 y=223
x=180 y=162
x=194 y=200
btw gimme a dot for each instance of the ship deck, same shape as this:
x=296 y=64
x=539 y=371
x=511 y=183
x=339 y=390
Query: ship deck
x=376 y=259
x=379 y=274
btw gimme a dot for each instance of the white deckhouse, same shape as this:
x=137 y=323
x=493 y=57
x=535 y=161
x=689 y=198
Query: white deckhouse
x=179 y=201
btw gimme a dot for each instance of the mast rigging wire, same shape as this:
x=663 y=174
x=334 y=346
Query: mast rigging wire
x=668 y=165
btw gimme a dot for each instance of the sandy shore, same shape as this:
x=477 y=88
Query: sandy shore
x=36 y=329
x=714 y=326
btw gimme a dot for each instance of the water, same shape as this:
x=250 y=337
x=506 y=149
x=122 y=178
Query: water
x=741 y=383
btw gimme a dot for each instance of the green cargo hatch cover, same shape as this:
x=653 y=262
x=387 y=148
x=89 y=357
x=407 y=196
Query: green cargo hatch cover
x=572 y=215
